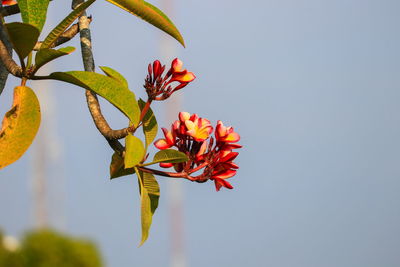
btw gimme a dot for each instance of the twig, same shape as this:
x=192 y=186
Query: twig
x=3 y=69
x=91 y=98
x=166 y=174
x=5 y=56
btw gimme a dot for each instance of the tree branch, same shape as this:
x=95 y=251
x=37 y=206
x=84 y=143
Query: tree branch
x=91 y=98
x=5 y=55
x=3 y=69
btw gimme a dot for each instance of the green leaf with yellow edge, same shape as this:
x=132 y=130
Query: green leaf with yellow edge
x=117 y=167
x=168 y=156
x=64 y=24
x=149 y=197
x=115 y=75
x=150 y=126
x=134 y=151
x=44 y=56
x=20 y=125
x=150 y=14
x=23 y=37
x=34 y=12
x=108 y=88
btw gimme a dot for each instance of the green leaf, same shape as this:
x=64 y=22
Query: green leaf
x=20 y=125
x=150 y=126
x=110 y=89
x=23 y=36
x=43 y=56
x=149 y=197
x=64 y=24
x=170 y=156
x=115 y=75
x=34 y=12
x=135 y=151
x=117 y=167
x=151 y=14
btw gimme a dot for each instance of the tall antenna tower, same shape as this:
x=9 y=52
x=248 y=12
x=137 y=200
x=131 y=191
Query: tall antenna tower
x=47 y=171
x=174 y=186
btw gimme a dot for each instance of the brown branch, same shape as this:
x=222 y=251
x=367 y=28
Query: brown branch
x=100 y=121
x=91 y=98
x=3 y=70
x=166 y=174
x=64 y=37
x=7 y=60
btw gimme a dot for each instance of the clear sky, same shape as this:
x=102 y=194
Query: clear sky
x=313 y=87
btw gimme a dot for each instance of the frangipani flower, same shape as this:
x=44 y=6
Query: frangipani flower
x=198 y=128
x=225 y=134
x=192 y=136
x=160 y=88
x=168 y=142
x=179 y=75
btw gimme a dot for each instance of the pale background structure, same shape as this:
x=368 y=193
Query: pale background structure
x=313 y=87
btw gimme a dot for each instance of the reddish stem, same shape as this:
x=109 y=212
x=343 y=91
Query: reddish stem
x=167 y=174
x=145 y=109
x=198 y=167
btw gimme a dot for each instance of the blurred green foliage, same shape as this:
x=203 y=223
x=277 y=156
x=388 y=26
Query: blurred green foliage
x=46 y=248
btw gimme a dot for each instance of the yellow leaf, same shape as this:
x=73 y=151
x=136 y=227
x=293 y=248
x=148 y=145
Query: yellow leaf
x=20 y=125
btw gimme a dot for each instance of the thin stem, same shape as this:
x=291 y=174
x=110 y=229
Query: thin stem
x=40 y=77
x=201 y=166
x=8 y=62
x=166 y=174
x=23 y=81
x=8 y=48
x=91 y=98
x=145 y=109
x=29 y=62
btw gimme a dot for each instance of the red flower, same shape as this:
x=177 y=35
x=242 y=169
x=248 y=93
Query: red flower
x=167 y=142
x=225 y=134
x=159 y=87
x=192 y=136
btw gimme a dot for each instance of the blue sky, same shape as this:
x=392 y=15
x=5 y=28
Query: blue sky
x=313 y=89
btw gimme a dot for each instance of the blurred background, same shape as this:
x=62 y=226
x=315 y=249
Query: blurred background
x=312 y=87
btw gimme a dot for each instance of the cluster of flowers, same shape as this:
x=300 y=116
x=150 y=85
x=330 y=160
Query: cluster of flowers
x=192 y=136
x=159 y=87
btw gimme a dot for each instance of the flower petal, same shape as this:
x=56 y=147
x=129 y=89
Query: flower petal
x=162 y=144
x=224 y=174
x=232 y=137
x=176 y=65
x=166 y=165
x=190 y=126
x=229 y=157
x=184 y=116
x=156 y=69
x=183 y=77
x=169 y=137
x=220 y=182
